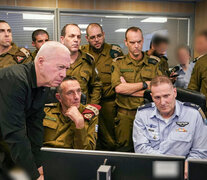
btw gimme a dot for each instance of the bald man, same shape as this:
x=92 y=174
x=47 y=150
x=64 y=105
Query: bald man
x=22 y=93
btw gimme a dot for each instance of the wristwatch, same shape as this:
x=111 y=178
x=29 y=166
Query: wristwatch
x=145 y=85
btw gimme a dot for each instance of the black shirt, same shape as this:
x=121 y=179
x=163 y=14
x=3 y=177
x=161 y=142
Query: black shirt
x=21 y=114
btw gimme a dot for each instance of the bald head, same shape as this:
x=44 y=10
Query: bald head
x=95 y=36
x=52 y=49
x=51 y=63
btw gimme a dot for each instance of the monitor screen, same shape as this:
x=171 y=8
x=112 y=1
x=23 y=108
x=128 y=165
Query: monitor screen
x=73 y=164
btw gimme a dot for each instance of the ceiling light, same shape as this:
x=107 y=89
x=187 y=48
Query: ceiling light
x=38 y=16
x=83 y=26
x=119 y=17
x=155 y=20
x=33 y=28
x=121 y=30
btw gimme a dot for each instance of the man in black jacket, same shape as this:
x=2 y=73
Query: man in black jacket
x=22 y=96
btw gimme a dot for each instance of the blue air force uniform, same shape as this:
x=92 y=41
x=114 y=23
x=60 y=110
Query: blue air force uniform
x=185 y=134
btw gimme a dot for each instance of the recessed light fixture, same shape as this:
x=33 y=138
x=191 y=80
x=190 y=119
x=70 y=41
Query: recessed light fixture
x=33 y=28
x=38 y=16
x=83 y=26
x=121 y=30
x=119 y=17
x=155 y=20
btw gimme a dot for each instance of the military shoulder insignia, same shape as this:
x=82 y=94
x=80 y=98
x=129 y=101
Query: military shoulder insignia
x=118 y=58
x=153 y=60
x=145 y=106
x=90 y=111
x=164 y=57
x=182 y=124
x=195 y=60
x=51 y=105
x=89 y=58
x=115 y=51
x=21 y=55
x=197 y=107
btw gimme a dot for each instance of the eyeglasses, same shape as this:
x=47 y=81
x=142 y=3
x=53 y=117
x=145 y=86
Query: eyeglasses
x=99 y=36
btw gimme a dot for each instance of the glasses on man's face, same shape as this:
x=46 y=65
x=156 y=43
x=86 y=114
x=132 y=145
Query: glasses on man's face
x=99 y=36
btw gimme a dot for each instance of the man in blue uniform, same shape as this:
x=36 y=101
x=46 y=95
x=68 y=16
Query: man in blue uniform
x=168 y=126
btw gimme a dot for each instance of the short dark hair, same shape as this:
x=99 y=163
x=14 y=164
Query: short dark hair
x=67 y=78
x=160 y=80
x=159 y=39
x=37 y=32
x=63 y=31
x=3 y=21
x=183 y=46
x=203 y=33
x=93 y=24
x=134 y=29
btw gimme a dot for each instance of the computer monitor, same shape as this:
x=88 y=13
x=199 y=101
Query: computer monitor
x=70 y=164
x=197 y=169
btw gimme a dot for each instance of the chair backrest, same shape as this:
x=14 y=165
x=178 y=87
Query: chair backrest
x=184 y=95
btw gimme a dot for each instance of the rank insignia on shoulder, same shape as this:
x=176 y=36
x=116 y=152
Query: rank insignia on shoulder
x=21 y=55
x=145 y=106
x=90 y=111
x=165 y=58
x=115 y=51
x=118 y=58
x=89 y=58
x=51 y=105
x=152 y=61
x=197 y=107
x=155 y=58
x=182 y=124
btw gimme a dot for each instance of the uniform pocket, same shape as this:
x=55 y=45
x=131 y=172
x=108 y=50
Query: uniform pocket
x=147 y=74
x=106 y=74
x=84 y=76
x=129 y=77
x=181 y=136
x=50 y=128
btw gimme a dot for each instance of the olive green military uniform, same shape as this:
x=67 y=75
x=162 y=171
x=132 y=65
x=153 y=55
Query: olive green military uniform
x=15 y=55
x=133 y=72
x=103 y=61
x=198 y=81
x=34 y=54
x=84 y=70
x=60 y=131
x=163 y=62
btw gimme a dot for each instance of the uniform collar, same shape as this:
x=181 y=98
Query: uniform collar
x=130 y=60
x=104 y=51
x=12 y=51
x=78 y=60
x=156 y=113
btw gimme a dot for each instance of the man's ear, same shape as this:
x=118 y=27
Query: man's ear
x=62 y=39
x=40 y=61
x=125 y=42
x=33 y=43
x=57 y=95
x=175 y=91
x=86 y=36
